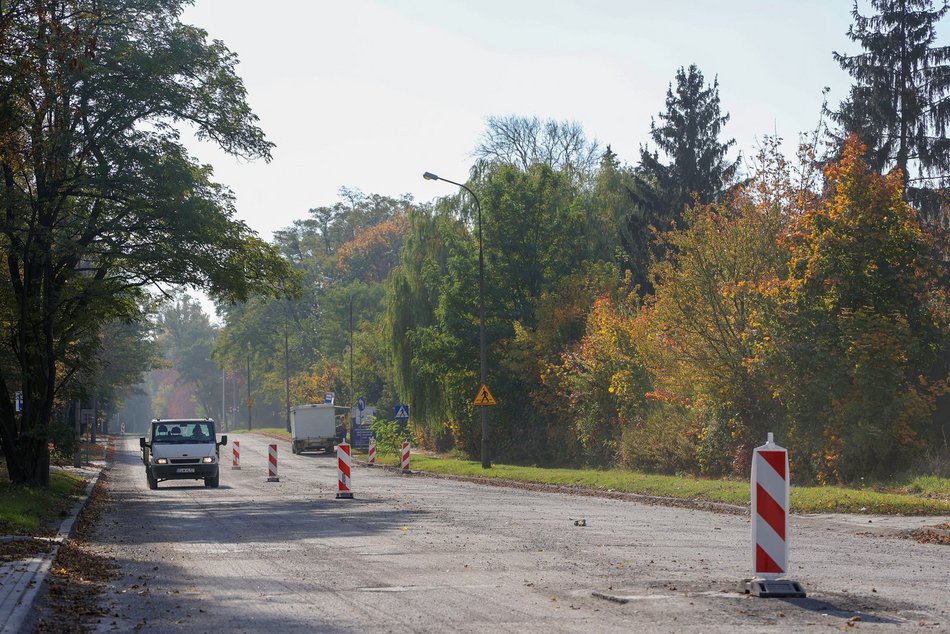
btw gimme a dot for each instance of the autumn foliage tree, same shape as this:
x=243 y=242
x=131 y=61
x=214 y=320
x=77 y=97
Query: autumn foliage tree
x=704 y=323
x=860 y=323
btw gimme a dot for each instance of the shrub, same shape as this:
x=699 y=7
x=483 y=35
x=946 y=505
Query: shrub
x=390 y=435
x=662 y=442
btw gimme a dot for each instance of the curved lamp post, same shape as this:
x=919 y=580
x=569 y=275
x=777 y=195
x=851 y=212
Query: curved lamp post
x=482 y=355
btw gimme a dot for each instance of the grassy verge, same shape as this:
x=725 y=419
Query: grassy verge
x=276 y=431
x=924 y=496
x=29 y=511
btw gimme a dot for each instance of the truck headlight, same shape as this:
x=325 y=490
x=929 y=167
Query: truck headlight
x=161 y=461
x=207 y=459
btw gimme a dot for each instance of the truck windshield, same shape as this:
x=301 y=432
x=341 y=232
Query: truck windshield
x=182 y=433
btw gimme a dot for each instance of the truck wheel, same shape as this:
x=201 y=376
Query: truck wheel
x=152 y=481
x=212 y=482
x=293 y=448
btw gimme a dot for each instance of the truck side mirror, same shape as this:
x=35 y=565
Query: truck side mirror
x=224 y=440
x=142 y=442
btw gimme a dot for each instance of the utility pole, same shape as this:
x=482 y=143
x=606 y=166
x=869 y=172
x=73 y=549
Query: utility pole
x=224 y=386
x=249 y=401
x=352 y=387
x=287 y=370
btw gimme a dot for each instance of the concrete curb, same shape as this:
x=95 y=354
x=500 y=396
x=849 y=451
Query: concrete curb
x=20 y=581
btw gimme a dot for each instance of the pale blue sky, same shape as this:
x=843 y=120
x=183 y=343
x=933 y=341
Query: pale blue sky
x=370 y=94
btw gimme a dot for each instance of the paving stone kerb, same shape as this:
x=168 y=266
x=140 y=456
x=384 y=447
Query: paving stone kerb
x=20 y=581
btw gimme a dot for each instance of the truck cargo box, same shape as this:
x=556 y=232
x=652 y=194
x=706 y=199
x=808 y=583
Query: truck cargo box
x=313 y=427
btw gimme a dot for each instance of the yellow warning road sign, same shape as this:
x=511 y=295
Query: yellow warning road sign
x=484 y=397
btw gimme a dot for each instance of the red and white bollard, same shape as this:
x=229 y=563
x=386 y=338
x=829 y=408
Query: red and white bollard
x=371 y=453
x=405 y=456
x=272 y=464
x=344 y=480
x=770 y=524
x=236 y=454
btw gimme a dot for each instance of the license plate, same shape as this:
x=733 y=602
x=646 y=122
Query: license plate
x=185 y=470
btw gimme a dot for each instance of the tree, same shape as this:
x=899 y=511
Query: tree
x=99 y=198
x=859 y=325
x=535 y=244
x=342 y=253
x=688 y=134
x=704 y=325
x=128 y=351
x=527 y=141
x=898 y=105
x=619 y=197
x=187 y=336
x=413 y=296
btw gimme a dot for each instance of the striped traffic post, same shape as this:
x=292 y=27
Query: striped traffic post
x=405 y=457
x=770 y=524
x=272 y=464
x=371 y=453
x=236 y=454
x=344 y=480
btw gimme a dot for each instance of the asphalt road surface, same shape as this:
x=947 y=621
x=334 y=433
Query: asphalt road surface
x=420 y=554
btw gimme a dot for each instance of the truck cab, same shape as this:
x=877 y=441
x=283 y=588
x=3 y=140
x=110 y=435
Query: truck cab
x=181 y=449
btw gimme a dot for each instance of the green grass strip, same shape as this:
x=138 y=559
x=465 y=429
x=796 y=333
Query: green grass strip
x=30 y=510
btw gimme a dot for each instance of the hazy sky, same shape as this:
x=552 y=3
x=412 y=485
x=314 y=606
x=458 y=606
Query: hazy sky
x=370 y=94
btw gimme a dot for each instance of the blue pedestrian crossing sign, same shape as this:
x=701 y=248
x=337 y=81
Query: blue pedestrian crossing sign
x=18 y=401
x=401 y=412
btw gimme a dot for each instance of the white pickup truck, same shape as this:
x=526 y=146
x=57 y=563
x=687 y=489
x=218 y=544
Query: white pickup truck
x=181 y=449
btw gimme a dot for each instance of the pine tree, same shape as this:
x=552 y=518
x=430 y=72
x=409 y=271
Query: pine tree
x=688 y=134
x=899 y=103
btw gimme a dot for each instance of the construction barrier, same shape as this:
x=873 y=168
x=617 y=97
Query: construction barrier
x=236 y=454
x=770 y=524
x=344 y=480
x=371 y=453
x=405 y=456
x=272 y=464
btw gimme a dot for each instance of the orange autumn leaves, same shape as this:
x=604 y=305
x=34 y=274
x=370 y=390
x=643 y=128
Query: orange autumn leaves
x=815 y=314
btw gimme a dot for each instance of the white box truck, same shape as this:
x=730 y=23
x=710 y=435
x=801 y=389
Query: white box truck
x=313 y=427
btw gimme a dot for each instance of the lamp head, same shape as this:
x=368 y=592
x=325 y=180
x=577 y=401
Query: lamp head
x=429 y=176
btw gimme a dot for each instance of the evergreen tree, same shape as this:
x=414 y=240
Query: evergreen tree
x=898 y=105
x=688 y=134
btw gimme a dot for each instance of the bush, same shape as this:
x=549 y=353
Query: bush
x=663 y=442
x=390 y=435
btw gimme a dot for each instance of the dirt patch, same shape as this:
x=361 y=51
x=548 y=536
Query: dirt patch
x=939 y=534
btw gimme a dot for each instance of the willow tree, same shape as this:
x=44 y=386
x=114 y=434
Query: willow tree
x=99 y=198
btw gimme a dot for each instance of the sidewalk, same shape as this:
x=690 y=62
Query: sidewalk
x=20 y=581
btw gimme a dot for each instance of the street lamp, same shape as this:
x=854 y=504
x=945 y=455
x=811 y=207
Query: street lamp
x=482 y=355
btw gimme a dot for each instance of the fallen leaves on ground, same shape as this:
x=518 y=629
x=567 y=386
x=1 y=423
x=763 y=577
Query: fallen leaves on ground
x=78 y=575
x=939 y=534
x=20 y=549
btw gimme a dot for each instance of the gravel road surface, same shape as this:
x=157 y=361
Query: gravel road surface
x=420 y=554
